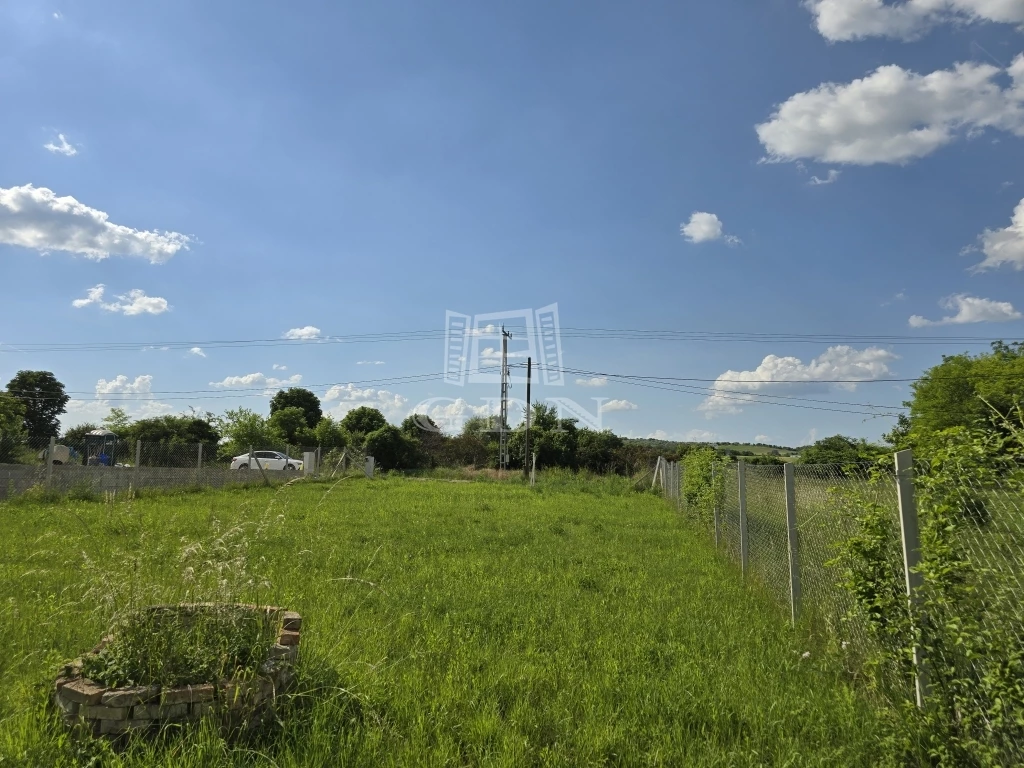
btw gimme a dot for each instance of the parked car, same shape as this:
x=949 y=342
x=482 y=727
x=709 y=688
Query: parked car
x=268 y=460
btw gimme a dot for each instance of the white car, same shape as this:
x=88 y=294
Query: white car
x=268 y=460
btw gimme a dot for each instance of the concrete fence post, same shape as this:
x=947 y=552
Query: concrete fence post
x=911 y=559
x=199 y=466
x=49 y=461
x=533 y=471
x=741 y=471
x=714 y=507
x=368 y=467
x=138 y=461
x=794 y=560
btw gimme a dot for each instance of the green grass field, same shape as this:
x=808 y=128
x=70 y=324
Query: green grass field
x=446 y=624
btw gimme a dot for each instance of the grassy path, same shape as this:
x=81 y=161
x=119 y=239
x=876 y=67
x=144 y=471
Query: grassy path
x=507 y=627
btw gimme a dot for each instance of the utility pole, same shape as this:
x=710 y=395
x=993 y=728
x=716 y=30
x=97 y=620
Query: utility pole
x=526 y=442
x=503 y=426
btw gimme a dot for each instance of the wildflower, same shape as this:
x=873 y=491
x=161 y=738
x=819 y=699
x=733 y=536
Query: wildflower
x=806 y=655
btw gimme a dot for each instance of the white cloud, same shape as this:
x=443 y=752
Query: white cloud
x=658 y=434
x=699 y=436
x=280 y=367
x=350 y=397
x=64 y=148
x=594 y=381
x=450 y=415
x=705 y=227
x=121 y=384
x=135 y=302
x=812 y=437
x=618 y=405
x=34 y=217
x=970 y=309
x=896 y=297
x=370 y=362
x=843 y=20
x=1004 y=246
x=58 y=15
x=308 y=332
x=775 y=375
x=832 y=178
x=762 y=439
x=197 y=351
x=894 y=115
x=257 y=381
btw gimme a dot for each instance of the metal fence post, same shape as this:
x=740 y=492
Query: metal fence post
x=741 y=471
x=199 y=466
x=714 y=505
x=49 y=461
x=533 y=471
x=911 y=559
x=794 y=560
x=138 y=461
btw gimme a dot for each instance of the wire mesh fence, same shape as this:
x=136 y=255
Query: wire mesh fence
x=101 y=463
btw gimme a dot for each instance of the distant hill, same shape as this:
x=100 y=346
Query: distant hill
x=734 y=449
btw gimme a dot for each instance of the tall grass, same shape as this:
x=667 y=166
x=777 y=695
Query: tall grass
x=445 y=624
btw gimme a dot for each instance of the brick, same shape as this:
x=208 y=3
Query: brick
x=126 y=697
x=288 y=638
x=159 y=712
x=72 y=668
x=113 y=726
x=61 y=681
x=187 y=695
x=83 y=690
x=202 y=708
x=242 y=693
x=139 y=725
x=99 y=712
x=279 y=651
x=66 y=706
x=292 y=621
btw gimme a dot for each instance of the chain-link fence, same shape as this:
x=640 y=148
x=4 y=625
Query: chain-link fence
x=101 y=463
x=916 y=567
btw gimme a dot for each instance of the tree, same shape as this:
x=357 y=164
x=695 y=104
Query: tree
x=329 y=434
x=427 y=437
x=596 y=451
x=12 y=426
x=839 y=449
x=298 y=397
x=363 y=420
x=118 y=421
x=291 y=425
x=390 y=448
x=43 y=399
x=76 y=434
x=245 y=429
x=172 y=441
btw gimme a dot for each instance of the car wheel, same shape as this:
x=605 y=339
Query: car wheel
x=290 y=467
x=243 y=466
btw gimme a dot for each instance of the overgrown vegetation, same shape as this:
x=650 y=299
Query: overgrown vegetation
x=444 y=623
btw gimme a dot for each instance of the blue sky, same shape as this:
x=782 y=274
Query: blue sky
x=239 y=170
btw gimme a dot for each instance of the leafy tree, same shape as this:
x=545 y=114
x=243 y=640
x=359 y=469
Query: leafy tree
x=12 y=427
x=172 y=441
x=76 y=434
x=298 y=397
x=244 y=428
x=390 y=448
x=43 y=399
x=329 y=434
x=118 y=421
x=291 y=425
x=597 y=451
x=839 y=450
x=361 y=421
x=427 y=438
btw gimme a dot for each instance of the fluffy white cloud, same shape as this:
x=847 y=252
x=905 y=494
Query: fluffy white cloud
x=308 y=332
x=133 y=395
x=970 y=309
x=370 y=362
x=197 y=351
x=34 y=217
x=135 y=302
x=775 y=375
x=762 y=439
x=1004 y=246
x=350 y=397
x=63 y=148
x=699 y=436
x=841 y=20
x=121 y=384
x=278 y=367
x=832 y=178
x=257 y=380
x=451 y=414
x=705 y=227
x=618 y=405
x=894 y=115
x=593 y=381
